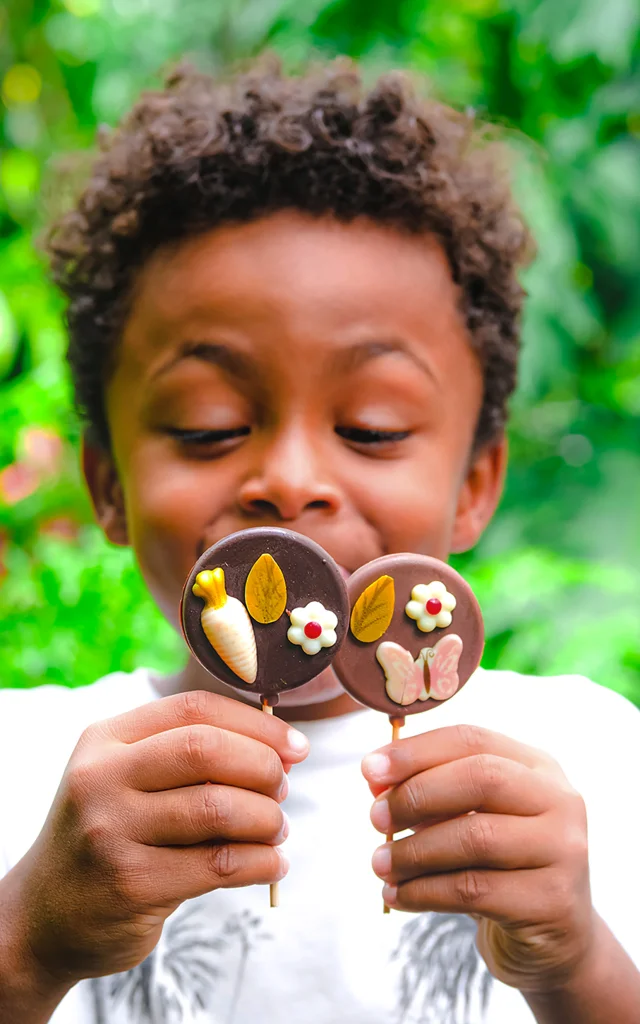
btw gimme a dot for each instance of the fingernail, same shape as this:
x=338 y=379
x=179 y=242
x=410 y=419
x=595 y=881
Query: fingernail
x=284 y=831
x=381 y=860
x=284 y=863
x=390 y=895
x=380 y=815
x=284 y=789
x=376 y=767
x=298 y=742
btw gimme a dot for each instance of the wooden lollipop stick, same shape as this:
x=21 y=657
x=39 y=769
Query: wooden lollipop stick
x=274 y=896
x=396 y=725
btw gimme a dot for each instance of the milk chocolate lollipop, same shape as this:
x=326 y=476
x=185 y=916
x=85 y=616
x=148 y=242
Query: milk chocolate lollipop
x=265 y=610
x=415 y=636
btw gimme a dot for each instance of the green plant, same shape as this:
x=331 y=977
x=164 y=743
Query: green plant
x=558 y=572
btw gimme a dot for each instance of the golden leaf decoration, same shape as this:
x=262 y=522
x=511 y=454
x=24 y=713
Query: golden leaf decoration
x=265 y=592
x=373 y=611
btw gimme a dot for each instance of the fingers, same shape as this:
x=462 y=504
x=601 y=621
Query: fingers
x=406 y=757
x=198 y=707
x=183 y=873
x=472 y=841
x=502 y=896
x=195 y=814
x=203 y=753
x=479 y=783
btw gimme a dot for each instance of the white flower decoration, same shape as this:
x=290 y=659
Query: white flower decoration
x=431 y=605
x=312 y=627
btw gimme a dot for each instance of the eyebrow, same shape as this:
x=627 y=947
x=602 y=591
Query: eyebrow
x=242 y=367
x=233 y=362
x=352 y=358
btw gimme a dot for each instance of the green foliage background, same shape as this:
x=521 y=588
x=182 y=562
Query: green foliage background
x=558 y=573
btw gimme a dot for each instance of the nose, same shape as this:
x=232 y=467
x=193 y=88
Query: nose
x=292 y=478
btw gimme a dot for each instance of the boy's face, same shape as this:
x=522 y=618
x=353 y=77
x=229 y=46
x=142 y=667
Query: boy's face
x=294 y=372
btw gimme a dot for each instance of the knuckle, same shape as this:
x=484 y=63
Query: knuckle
x=411 y=856
x=486 y=775
x=202 y=746
x=575 y=844
x=81 y=781
x=195 y=753
x=98 y=840
x=470 y=887
x=412 y=798
x=476 y=835
x=224 y=862
x=196 y=706
x=88 y=737
x=472 y=738
x=213 y=809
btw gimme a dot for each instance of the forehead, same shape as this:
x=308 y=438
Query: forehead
x=291 y=274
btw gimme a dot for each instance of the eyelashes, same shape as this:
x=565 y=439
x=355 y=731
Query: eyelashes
x=358 y=435
x=205 y=437
x=354 y=435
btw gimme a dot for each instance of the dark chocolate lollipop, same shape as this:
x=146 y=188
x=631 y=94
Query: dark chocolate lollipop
x=265 y=610
x=415 y=636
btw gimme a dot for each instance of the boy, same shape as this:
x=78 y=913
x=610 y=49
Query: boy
x=294 y=301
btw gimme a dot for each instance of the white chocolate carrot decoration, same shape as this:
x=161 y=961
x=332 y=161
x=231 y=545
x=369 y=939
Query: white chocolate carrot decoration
x=227 y=625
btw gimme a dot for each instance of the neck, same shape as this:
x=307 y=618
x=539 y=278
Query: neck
x=194 y=677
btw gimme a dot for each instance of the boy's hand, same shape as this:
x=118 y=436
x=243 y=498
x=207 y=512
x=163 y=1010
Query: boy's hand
x=134 y=830
x=498 y=833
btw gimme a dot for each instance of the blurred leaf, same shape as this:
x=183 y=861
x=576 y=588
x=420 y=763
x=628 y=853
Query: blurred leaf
x=8 y=336
x=19 y=178
x=558 y=572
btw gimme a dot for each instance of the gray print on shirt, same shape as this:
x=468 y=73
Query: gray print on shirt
x=443 y=980
x=184 y=972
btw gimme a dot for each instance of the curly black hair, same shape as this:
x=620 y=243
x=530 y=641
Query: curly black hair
x=203 y=151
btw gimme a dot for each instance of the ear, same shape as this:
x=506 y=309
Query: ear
x=479 y=494
x=107 y=497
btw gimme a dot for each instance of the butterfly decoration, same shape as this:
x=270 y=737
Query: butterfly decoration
x=434 y=673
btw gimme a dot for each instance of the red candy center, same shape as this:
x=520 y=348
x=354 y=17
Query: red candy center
x=434 y=607
x=313 y=630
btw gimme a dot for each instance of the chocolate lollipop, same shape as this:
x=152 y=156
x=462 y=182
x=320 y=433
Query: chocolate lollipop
x=415 y=637
x=265 y=610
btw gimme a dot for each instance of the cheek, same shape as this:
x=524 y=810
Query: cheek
x=169 y=507
x=412 y=503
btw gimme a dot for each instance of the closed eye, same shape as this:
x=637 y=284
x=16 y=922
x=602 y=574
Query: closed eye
x=357 y=435
x=207 y=437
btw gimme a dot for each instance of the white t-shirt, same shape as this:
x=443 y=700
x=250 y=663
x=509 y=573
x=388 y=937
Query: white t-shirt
x=328 y=955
